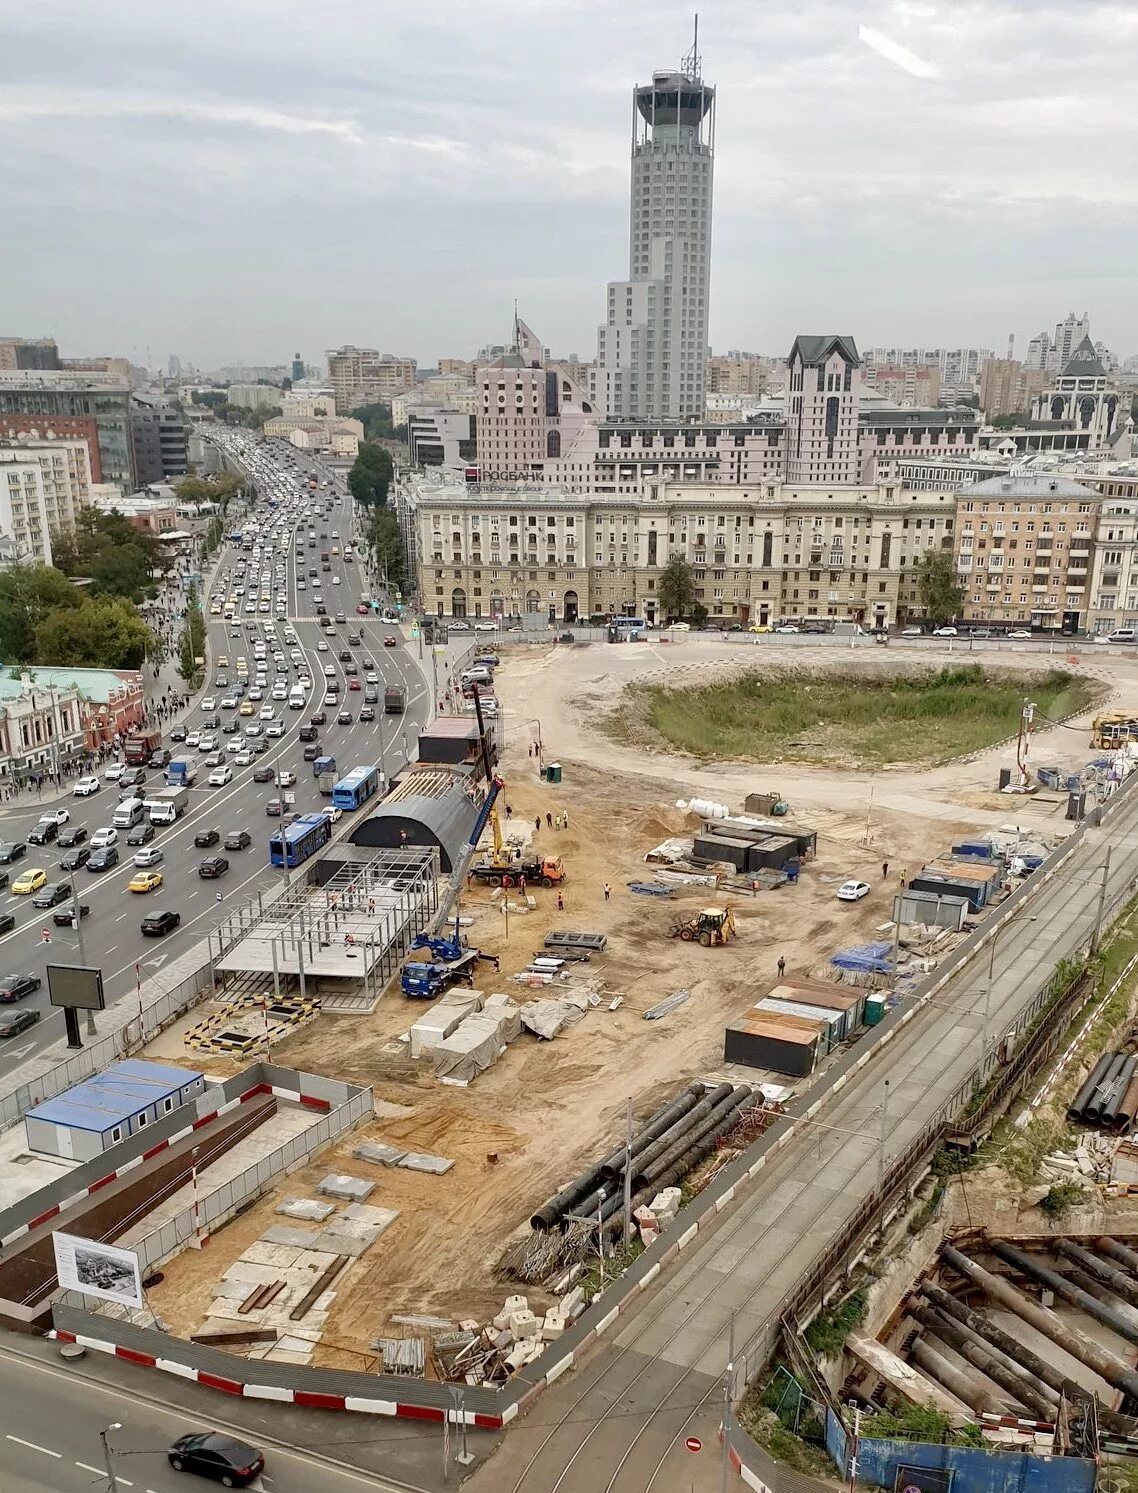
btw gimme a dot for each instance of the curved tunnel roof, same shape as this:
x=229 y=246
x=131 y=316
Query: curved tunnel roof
x=432 y=807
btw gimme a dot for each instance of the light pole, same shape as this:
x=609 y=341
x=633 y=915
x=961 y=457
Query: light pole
x=77 y=924
x=108 y=1456
x=601 y=1237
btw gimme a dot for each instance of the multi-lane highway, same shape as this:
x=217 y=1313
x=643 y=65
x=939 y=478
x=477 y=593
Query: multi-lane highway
x=268 y=586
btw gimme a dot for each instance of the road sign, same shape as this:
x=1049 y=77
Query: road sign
x=694 y=1444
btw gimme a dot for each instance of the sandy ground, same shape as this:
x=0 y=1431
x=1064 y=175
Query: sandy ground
x=535 y=1119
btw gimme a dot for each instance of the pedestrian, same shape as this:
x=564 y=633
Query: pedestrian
x=549 y=820
x=904 y=879
x=885 y=870
x=754 y=888
x=509 y=811
x=564 y=818
x=608 y=891
x=560 y=902
x=781 y=966
x=537 y=824
x=530 y=752
x=371 y=907
x=522 y=884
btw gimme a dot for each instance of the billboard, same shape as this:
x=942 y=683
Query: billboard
x=97 y=1269
x=76 y=985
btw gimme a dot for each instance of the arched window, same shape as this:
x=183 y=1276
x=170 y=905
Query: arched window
x=553 y=443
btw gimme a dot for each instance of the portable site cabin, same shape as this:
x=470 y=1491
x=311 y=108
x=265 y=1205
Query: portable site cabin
x=786 y=1044
x=107 y=1107
x=934 y=909
x=849 y=1000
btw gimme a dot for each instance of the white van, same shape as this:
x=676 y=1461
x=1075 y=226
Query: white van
x=296 y=698
x=128 y=813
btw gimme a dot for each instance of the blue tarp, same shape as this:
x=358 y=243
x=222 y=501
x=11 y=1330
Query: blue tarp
x=872 y=958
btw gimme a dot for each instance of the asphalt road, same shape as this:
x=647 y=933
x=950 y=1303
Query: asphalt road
x=110 y=935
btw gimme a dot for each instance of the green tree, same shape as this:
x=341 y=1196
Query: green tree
x=386 y=544
x=371 y=474
x=27 y=596
x=1008 y=422
x=677 y=587
x=376 y=420
x=940 y=592
x=105 y=633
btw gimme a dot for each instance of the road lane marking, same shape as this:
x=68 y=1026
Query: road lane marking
x=123 y=1482
x=31 y=1445
x=120 y=917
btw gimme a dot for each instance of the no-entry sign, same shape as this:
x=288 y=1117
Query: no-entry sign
x=694 y=1444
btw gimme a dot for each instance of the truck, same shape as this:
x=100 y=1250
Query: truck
x=395 y=699
x=181 y=772
x=324 y=771
x=140 y=746
x=546 y=870
x=166 y=805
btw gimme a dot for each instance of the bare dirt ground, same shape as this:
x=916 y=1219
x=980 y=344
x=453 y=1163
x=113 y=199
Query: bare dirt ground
x=534 y=1120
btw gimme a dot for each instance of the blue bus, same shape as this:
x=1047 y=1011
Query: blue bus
x=633 y=627
x=303 y=838
x=360 y=784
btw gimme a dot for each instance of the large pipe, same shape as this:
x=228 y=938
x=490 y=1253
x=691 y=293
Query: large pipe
x=1128 y=1107
x=1086 y=1093
x=656 y=1124
x=959 y=1382
x=1069 y=1338
x=1092 y=1110
x=645 y=1174
x=1108 y=1114
x=1118 y=1252
x=550 y=1214
x=664 y=1140
x=1065 y=1288
x=983 y=1357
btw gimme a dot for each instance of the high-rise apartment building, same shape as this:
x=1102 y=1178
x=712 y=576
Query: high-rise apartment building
x=1068 y=335
x=43 y=486
x=253 y=396
x=361 y=375
x=48 y=396
x=652 y=348
x=822 y=416
x=29 y=352
x=158 y=438
x=1007 y=387
x=910 y=385
x=297 y=368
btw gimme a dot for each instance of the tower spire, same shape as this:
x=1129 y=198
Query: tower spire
x=690 y=65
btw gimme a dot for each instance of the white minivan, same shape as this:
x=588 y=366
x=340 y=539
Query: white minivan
x=128 y=813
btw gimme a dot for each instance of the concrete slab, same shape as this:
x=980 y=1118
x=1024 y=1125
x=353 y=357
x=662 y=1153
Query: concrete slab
x=380 y=1153
x=297 y=1239
x=343 y=1185
x=264 y=1251
x=306 y=1208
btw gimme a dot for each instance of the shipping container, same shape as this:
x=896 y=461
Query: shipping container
x=830 y=1023
x=719 y=848
x=771 y=853
x=974 y=892
x=765 y=1042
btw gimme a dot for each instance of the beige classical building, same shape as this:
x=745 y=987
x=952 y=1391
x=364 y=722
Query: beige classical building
x=758 y=555
x=362 y=375
x=308 y=404
x=1024 y=546
x=339 y=436
x=43 y=486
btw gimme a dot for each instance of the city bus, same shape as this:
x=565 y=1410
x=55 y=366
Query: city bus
x=360 y=784
x=304 y=838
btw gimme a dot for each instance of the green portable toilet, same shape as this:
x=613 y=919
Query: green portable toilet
x=874 y=1009
x=554 y=772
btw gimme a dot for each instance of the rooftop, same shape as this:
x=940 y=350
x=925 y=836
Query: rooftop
x=108 y=1098
x=1029 y=485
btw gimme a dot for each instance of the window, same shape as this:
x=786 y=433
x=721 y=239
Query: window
x=116 y=1134
x=167 y=1105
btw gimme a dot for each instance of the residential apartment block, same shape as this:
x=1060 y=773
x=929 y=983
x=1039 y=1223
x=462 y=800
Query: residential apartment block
x=43 y=486
x=45 y=396
x=362 y=375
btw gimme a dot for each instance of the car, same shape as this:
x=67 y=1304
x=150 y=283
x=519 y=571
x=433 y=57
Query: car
x=322 y=646
x=28 y=881
x=158 y=924
x=115 y=772
x=145 y=881
x=254 y=730
x=1122 y=635
x=371 y=677
x=246 y=705
x=205 y=838
x=76 y=859
x=141 y=834
x=209 y=703
x=362 y=610
x=458 y=625
x=367 y=713
x=103 y=858
x=1020 y=633
x=340 y=618
x=104 y=837
x=980 y=632
x=944 y=632
x=52 y=895
x=16 y=987
x=132 y=777
x=331 y=698
x=58 y=817
x=247 y=756
x=43 y=832
x=787 y=627
x=275 y=728
x=853 y=891
x=274 y=808
x=159 y=759
x=212 y=867
x=85 y=787
x=912 y=632
x=220 y=776
x=214 y=759
x=264 y=775
x=230 y=702
x=177 y=733
x=192 y=738
x=311 y=751
x=231 y=727
x=67 y=917
x=354 y=684
x=308 y=733
x=12 y=1023
x=238 y=839
x=208 y=741
x=286 y=778
x=151 y=856
x=344 y=718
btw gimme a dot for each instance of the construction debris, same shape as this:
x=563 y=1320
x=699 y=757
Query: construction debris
x=401 y=1355
x=667 y=1005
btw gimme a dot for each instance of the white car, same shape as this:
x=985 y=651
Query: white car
x=266 y=712
x=115 y=772
x=245 y=758
x=910 y=632
x=104 y=837
x=193 y=738
x=945 y=632
x=336 y=582
x=55 y=816
x=280 y=692
x=220 y=776
x=209 y=704
x=85 y=787
x=286 y=779
x=487 y=626
x=787 y=628
x=149 y=855
x=322 y=646
x=1021 y=633
x=207 y=742
x=256 y=693
x=275 y=728
x=229 y=703
x=853 y=891
x=234 y=745
x=303 y=681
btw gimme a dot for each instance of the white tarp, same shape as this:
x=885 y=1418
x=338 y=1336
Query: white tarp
x=441 y=1019
x=546 y=1018
x=475 y=1046
x=506 y=1009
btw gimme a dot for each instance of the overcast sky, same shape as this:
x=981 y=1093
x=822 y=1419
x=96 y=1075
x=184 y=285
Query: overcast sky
x=235 y=181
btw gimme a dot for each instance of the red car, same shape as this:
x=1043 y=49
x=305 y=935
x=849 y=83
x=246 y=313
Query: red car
x=389 y=641
x=353 y=684
x=362 y=611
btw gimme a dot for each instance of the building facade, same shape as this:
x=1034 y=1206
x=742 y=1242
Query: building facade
x=158 y=439
x=49 y=717
x=307 y=405
x=439 y=438
x=908 y=385
x=29 y=352
x=822 y=415
x=43 y=486
x=1007 y=387
x=46 y=397
x=362 y=375
x=1024 y=545
x=652 y=348
x=1080 y=398
x=253 y=396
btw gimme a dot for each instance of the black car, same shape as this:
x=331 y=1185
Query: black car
x=344 y=656
x=65 y=917
x=7 y=922
x=311 y=752
x=238 y=839
x=318 y=718
x=53 y=894
x=141 y=834
x=322 y=611
x=12 y=1023
x=15 y=987
x=177 y=733
x=12 y=850
x=210 y=722
x=308 y=733
x=75 y=859
x=264 y=774
x=159 y=759
x=103 y=859
x=158 y=924
x=132 y=777
x=344 y=718
x=230 y=727
x=72 y=834
x=205 y=838
x=43 y=832
x=212 y=867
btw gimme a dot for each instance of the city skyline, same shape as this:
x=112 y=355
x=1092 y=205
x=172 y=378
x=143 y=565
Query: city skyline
x=948 y=197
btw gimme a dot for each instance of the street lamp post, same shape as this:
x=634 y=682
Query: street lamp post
x=77 y=923
x=108 y=1455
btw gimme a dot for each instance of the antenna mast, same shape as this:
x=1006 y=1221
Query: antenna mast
x=690 y=65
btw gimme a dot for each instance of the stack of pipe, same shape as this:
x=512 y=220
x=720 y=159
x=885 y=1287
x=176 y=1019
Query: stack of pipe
x=1109 y=1097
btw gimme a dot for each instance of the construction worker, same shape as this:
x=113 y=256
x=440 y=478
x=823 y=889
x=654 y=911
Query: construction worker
x=560 y=902
x=564 y=818
x=549 y=820
x=781 y=966
x=885 y=870
x=522 y=885
x=904 y=879
x=537 y=824
x=608 y=891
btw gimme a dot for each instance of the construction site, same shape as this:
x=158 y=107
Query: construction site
x=578 y=982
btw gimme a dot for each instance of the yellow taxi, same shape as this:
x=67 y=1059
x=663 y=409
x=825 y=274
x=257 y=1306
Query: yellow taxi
x=29 y=881
x=146 y=881
x=245 y=708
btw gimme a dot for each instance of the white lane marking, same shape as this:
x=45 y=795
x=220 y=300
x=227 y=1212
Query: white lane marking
x=123 y=1482
x=120 y=917
x=31 y=1445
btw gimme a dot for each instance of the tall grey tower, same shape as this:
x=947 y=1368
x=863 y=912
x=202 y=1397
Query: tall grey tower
x=652 y=349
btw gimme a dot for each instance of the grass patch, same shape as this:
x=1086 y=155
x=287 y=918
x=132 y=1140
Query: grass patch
x=924 y=716
x=827 y=1333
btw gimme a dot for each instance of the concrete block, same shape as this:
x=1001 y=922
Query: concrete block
x=307 y=1208
x=516 y=1304
x=518 y=1357
x=380 y=1153
x=553 y=1326
x=570 y=1301
x=666 y=1204
x=341 y=1185
x=501 y=1322
x=296 y=1239
x=523 y=1325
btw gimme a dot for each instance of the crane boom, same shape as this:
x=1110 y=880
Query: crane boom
x=487 y=813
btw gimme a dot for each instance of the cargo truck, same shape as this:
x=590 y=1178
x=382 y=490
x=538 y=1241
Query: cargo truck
x=395 y=699
x=167 y=805
x=140 y=746
x=181 y=772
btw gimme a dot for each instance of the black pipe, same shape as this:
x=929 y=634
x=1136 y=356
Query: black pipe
x=1093 y=1109
x=1086 y=1093
x=960 y=1383
x=657 y=1123
x=981 y=1356
x=1118 y=1252
x=1065 y=1288
x=644 y=1175
x=1128 y=1106
x=665 y=1140
x=1108 y=1114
